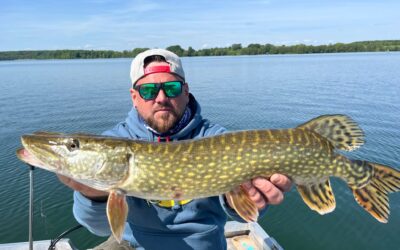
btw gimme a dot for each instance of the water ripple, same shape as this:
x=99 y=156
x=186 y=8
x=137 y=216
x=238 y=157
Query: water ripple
x=236 y=92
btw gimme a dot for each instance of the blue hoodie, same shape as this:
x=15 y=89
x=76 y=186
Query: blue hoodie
x=198 y=224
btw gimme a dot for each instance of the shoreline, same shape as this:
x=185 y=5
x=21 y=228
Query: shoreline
x=233 y=50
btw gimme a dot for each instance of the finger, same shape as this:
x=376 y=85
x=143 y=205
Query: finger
x=85 y=190
x=272 y=193
x=281 y=181
x=72 y=183
x=67 y=181
x=255 y=195
x=251 y=190
x=248 y=186
x=259 y=200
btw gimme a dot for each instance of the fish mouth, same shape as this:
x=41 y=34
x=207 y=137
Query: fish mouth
x=25 y=156
x=35 y=148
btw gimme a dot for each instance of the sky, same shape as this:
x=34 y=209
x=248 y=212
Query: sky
x=128 y=24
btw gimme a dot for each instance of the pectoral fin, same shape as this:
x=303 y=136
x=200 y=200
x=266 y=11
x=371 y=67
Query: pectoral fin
x=319 y=196
x=242 y=204
x=117 y=212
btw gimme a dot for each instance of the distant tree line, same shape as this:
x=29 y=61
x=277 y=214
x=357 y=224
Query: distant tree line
x=233 y=50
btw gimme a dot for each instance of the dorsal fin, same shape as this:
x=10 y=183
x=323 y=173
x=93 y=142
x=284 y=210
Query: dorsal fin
x=340 y=130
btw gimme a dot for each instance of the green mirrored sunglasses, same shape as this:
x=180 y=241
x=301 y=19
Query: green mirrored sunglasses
x=149 y=91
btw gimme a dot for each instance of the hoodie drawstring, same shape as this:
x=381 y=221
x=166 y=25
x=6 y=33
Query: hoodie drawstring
x=163 y=139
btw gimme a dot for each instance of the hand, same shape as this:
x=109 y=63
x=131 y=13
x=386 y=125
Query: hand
x=86 y=191
x=268 y=191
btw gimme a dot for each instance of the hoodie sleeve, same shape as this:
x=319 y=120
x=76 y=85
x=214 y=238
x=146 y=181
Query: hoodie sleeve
x=91 y=215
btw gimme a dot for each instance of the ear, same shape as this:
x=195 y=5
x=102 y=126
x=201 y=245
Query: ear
x=133 y=96
x=186 y=89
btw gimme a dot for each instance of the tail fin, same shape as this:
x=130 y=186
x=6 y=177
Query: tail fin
x=374 y=196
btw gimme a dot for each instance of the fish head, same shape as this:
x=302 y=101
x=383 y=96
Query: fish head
x=81 y=157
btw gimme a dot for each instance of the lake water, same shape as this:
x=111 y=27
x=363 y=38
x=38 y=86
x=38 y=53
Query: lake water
x=245 y=92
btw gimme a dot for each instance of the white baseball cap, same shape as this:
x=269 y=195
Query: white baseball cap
x=137 y=67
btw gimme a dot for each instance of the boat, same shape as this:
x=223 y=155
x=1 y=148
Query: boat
x=239 y=236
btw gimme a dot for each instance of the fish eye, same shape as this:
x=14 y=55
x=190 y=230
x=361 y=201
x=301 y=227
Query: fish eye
x=73 y=145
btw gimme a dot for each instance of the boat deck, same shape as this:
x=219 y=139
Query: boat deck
x=239 y=236
x=248 y=236
x=63 y=244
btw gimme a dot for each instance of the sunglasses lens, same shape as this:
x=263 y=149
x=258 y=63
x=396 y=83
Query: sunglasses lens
x=149 y=91
x=172 y=89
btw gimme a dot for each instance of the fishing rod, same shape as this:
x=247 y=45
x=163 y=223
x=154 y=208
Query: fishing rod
x=52 y=242
x=31 y=168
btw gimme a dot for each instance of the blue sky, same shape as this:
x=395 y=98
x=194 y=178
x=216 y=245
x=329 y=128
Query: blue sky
x=128 y=24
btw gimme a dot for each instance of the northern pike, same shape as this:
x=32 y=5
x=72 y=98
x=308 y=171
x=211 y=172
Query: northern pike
x=216 y=165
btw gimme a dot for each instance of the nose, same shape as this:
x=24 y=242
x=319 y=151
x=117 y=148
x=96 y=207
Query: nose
x=161 y=97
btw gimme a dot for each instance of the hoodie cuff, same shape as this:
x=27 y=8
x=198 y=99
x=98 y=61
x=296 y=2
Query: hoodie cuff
x=91 y=214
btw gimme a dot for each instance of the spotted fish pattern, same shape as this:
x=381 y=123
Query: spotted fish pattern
x=308 y=154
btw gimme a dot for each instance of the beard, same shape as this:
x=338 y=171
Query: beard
x=162 y=123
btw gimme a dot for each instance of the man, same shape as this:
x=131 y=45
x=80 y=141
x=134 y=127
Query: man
x=164 y=111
